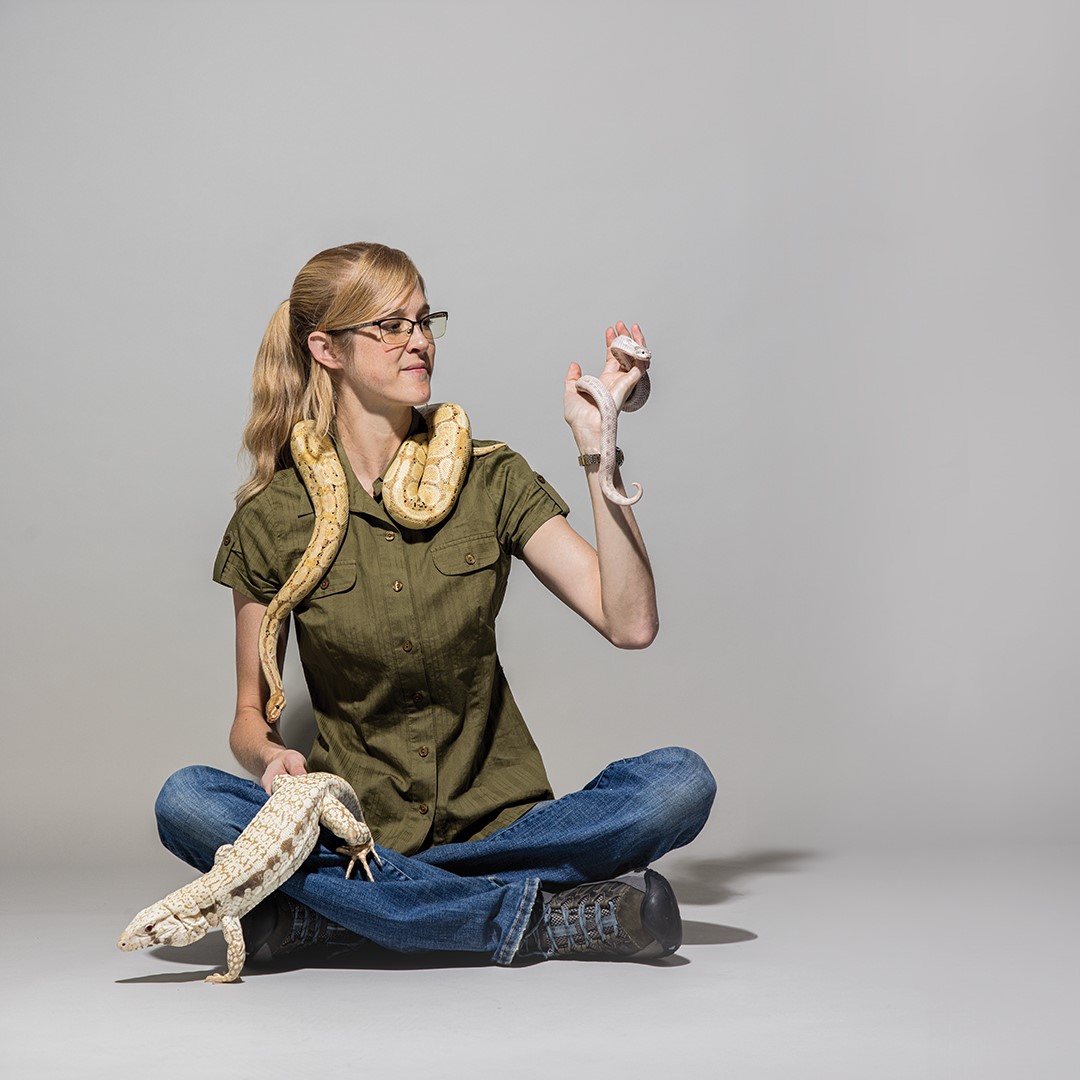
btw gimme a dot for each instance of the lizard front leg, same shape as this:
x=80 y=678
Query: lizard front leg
x=234 y=938
x=359 y=843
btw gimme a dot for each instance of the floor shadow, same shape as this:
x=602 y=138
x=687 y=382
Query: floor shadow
x=210 y=950
x=703 y=933
x=711 y=881
x=171 y=977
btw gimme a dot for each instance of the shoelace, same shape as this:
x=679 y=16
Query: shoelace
x=589 y=922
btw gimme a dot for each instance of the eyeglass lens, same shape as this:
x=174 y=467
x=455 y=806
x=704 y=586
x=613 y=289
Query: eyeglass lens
x=398 y=331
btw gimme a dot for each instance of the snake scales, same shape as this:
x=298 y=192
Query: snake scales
x=419 y=490
x=626 y=351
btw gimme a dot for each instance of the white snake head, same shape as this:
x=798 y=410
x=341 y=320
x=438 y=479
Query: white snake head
x=159 y=925
x=630 y=351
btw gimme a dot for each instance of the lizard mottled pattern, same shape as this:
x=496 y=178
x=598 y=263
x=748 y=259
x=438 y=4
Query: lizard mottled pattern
x=266 y=854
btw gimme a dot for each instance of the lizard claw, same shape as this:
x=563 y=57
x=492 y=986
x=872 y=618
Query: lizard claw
x=359 y=853
x=222 y=977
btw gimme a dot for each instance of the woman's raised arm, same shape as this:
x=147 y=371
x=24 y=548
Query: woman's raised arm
x=612 y=586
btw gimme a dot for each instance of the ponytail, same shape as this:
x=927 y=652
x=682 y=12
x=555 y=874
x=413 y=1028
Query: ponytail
x=338 y=287
x=287 y=386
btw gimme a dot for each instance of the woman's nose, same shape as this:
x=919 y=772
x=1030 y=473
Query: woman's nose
x=417 y=341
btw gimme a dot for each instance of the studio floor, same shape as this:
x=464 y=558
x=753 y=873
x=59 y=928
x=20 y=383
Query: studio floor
x=795 y=964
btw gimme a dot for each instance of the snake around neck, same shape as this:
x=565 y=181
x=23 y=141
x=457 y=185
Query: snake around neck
x=419 y=490
x=625 y=350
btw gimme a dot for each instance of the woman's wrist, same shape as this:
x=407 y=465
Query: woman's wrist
x=588 y=442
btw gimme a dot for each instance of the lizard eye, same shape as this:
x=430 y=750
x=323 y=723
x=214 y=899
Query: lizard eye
x=150 y=928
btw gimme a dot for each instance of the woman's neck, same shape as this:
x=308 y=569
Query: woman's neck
x=370 y=437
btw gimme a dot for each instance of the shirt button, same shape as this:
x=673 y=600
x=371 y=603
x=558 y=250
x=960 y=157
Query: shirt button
x=397 y=586
x=423 y=751
x=388 y=535
x=228 y=540
x=540 y=479
x=407 y=645
x=423 y=808
x=418 y=698
x=325 y=583
x=470 y=558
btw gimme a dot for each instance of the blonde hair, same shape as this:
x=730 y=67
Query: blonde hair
x=339 y=287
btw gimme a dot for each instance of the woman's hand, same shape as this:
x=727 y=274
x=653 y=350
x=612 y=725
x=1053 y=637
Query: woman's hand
x=579 y=409
x=284 y=763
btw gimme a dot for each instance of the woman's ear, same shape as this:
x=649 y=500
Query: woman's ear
x=321 y=347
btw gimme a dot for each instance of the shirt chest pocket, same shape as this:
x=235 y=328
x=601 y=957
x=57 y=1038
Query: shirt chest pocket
x=471 y=578
x=340 y=578
x=325 y=618
x=466 y=555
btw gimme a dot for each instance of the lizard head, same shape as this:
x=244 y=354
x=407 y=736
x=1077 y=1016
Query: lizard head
x=158 y=925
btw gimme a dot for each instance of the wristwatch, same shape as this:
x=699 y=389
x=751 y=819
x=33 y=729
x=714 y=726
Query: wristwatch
x=594 y=459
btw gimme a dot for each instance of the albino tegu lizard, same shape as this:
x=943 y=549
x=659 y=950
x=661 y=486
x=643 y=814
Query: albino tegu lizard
x=268 y=852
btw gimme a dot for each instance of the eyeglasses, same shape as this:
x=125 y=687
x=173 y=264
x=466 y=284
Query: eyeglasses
x=397 y=331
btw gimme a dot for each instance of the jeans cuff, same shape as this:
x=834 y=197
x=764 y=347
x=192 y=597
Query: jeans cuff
x=512 y=942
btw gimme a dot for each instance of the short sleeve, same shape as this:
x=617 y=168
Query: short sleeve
x=523 y=498
x=247 y=558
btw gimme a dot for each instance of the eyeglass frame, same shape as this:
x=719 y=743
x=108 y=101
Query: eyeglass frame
x=413 y=324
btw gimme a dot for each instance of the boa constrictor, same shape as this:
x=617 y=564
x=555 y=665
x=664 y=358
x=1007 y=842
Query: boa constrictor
x=625 y=350
x=419 y=490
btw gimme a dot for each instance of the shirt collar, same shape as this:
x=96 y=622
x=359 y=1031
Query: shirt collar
x=360 y=502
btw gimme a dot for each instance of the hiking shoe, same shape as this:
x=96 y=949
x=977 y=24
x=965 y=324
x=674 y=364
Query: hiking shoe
x=279 y=926
x=634 y=917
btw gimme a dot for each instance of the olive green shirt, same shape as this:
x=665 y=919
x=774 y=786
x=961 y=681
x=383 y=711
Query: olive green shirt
x=397 y=644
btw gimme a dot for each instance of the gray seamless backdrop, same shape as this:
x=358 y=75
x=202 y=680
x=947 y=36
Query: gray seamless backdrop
x=849 y=230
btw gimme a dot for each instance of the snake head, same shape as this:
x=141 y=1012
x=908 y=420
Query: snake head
x=274 y=706
x=626 y=351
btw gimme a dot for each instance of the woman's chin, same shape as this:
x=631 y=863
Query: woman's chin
x=421 y=392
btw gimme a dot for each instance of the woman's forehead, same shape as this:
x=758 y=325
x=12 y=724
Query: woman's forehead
x=410 y=302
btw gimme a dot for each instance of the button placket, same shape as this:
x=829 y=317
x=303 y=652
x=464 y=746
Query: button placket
x=404 y=641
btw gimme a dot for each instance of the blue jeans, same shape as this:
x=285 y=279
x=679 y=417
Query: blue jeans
x=476 y=896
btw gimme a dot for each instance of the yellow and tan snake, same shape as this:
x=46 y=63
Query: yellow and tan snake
x=419 y=489
x=322 y=475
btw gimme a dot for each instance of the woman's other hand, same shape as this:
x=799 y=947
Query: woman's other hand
x=579 y=409
x=285 y=763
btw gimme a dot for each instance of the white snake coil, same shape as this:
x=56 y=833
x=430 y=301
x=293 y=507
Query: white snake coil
x=419 y=490
x=625 y=350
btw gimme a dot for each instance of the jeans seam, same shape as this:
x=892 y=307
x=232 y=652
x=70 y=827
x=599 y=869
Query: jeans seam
x=388 y=864
x=512 y=942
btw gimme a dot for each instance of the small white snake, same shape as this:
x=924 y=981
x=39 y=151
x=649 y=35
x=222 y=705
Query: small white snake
x=625 y=350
